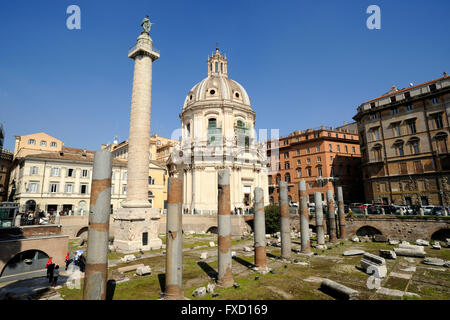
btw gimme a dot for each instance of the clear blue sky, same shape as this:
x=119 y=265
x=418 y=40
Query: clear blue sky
x=303 y=63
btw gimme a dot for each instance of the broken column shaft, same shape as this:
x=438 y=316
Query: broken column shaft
x=341 y=214
x=225 y=277
x=96 y=273
x=304 y=217
x=331 y=216
x=285 y=222
x=174 y=239
x=319 y=218
x=260 y=229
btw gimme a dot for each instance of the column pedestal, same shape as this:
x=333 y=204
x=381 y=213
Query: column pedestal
x=129 y=226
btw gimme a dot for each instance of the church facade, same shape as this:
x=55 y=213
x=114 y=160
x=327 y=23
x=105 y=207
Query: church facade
x=217 y=123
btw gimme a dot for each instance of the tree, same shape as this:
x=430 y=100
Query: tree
x=272 y=218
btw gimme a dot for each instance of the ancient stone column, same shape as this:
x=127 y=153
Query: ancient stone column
x=260 y=230
x=331 y=216
x=285 y=222
x=136 y=218
x=319 y=218
x=421 y=211
x=96 y=273
x=225 y=277
x=341 y=214
x=174 y=239
x=366 y=212
x=304 y=217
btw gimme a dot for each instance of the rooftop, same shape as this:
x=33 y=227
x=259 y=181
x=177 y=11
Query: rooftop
x=394 y=90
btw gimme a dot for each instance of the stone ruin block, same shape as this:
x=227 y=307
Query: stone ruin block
x=128 y=258
x=130 y=268
x=144 y=271
x=199 y=292
x=421 y=242
x=388 y=254
x=371 y=262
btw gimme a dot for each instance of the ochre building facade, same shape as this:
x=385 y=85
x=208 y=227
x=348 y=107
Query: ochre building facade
x=324 y=158
x=404 y=144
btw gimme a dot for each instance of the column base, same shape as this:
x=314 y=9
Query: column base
x=122 y=246
x=262 y=270
x=225 y=283
x=136 y=229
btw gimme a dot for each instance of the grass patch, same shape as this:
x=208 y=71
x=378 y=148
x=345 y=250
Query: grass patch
x=429 y=292
x=396 y=283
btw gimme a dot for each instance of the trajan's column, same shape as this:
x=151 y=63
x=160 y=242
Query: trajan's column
x=136 y=224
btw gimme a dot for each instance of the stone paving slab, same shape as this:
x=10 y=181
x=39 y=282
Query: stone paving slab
x=401 y=275
x=396 y=293
x=409 y=269
x=435 y=269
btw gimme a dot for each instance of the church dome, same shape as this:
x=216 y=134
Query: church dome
x=217 y=87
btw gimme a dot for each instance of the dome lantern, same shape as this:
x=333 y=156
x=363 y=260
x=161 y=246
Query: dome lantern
x=217 y=65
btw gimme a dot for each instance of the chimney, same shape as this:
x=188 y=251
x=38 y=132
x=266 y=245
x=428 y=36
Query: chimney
x=345 y=122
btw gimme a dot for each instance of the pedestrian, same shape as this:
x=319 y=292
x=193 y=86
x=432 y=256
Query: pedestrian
x=67 y=259
x=50 y=270
x=47 y=266
x=55 y=275
x=30 y=218
x=76 y=259
x=82 y=262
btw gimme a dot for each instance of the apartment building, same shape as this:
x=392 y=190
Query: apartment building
x=404 y=144
x=160 y=148
x=61 y=181
x=325 y=158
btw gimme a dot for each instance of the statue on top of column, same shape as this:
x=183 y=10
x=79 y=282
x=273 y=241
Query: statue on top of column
x=146 y=24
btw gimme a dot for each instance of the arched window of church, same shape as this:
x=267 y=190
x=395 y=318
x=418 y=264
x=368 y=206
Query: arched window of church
x=188 y=129
x=221 y=67
x=212 y=123
x=217 y=67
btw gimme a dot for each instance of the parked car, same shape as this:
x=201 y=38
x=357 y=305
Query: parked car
x=293 y=204
x=396 y=209
x=428 y=210
x=355 y=204
x=357 y=209
x=437 y=211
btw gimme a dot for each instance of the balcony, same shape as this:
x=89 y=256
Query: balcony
x=144 y=46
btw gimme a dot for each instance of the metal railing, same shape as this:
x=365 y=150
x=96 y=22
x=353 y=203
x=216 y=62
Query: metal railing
x=144 y=45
